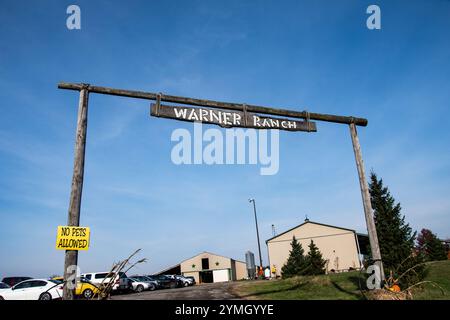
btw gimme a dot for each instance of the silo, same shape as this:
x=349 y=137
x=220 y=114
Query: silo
x=250 y=262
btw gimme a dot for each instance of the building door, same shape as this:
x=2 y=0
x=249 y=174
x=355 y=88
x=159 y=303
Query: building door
x=221 y=275
x=206 y=277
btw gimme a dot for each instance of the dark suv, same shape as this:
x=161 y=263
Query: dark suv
x=165 y=281
x=124 y=282
x=12 y=281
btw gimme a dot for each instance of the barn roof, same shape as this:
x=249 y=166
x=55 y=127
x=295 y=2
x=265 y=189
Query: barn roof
x=207 y=252
x=211 y=253
x=308 y=221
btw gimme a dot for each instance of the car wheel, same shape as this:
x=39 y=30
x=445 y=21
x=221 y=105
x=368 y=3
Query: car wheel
x=87 y=294
x=152 y=287
x=139 y=288
x=1 y=298
x=45 y=296
x=186 y=284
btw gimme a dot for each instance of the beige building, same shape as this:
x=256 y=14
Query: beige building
x=208 y=267
x=340 y=247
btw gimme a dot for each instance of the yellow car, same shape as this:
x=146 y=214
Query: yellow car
x=84 y=287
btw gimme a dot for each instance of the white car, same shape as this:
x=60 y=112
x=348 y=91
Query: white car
x=34 y=289
x=119 y=279
x=140 y=286
x=4 y=286
x=153 y=283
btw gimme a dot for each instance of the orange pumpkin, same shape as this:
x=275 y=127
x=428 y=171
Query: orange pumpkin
x=395 y=288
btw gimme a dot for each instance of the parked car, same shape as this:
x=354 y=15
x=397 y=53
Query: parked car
x=192 y=279
x=180 y=282
x=3 y=286
x=84 y=288
x=153 y=283
x=121 y=282
x=12 y=281
x=185 y=281
x=139 y=286
x=166 y=281
x=34 y=289
x=155 y=280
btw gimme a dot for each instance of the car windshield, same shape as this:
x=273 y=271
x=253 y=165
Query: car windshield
x=56 y=281
x=3 y=286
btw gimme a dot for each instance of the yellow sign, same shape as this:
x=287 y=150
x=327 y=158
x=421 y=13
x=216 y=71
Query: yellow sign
x=72 y=238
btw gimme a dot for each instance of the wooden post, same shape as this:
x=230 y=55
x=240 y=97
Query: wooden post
x=373 y=238
x=71 y=258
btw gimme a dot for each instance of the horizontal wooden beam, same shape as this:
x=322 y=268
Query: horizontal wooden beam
x=215 y=104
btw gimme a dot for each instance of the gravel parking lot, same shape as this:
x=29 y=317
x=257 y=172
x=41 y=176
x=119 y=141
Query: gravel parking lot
x=210 y=291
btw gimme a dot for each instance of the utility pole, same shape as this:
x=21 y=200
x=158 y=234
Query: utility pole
x=371 y=229
x=71 y=258
x=257 y=232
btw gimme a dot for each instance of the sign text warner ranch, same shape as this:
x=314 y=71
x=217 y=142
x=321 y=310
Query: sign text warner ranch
x=229 y=119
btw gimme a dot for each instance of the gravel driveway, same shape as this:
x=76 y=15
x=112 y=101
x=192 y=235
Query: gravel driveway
x=209 y=291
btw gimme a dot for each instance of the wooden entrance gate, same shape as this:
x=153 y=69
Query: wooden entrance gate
x=225 y=114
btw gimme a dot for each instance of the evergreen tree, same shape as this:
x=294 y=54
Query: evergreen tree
x=296 y=262
x=315 y=261
x=430 y=247
x=395 y=236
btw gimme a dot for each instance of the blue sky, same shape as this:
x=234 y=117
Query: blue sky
x=315 y=55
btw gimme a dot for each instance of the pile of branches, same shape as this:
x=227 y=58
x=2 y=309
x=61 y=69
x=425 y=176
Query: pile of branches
x=391 y=289
x=124 y=266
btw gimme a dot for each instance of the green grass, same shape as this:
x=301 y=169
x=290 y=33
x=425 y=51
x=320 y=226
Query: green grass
x=439 y=273
x=342 y=286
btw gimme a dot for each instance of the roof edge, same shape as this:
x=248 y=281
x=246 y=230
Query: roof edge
x=309 y=221
x=208 y=252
